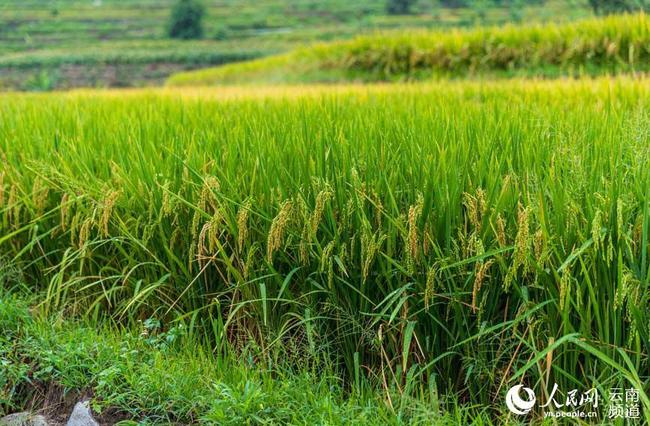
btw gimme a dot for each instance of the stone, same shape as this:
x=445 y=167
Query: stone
x=23 y=419
x=81 y=415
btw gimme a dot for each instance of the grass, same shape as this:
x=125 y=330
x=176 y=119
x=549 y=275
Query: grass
x=155 y=377
x=445 y=239
x=590 y=47
x=96 y=37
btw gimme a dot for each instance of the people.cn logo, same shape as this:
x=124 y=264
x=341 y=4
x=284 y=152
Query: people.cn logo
x=518 y=405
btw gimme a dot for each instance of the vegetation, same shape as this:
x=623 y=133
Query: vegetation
x=595 y=46
x=163 y=377
x=118 y=64
x=27 y=25
x=186 y=20
x=128 y=28
x=373 y=232
x=605 y=7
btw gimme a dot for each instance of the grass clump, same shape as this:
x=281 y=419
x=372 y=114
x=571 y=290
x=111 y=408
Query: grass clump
x=608 y=45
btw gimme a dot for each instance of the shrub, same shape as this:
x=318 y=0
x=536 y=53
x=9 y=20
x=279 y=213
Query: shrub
x=185 y=21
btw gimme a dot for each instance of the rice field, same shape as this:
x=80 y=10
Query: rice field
x=450 y=238
x=589 y=47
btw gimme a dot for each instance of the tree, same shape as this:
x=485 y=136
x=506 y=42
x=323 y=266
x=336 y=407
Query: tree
x=605 y=7
x=399 y=7
x=185 y=21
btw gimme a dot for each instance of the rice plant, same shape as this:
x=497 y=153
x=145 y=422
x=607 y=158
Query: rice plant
x=443 y=239
x=597 y=46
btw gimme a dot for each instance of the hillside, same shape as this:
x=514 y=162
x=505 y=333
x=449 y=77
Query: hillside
x=68 y=43
x=588 y=47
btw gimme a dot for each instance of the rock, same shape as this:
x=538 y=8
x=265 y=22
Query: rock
x=81 y=415
x=23 y=419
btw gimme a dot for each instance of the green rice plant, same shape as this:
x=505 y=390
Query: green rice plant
x=449 y=237
x=607 y=45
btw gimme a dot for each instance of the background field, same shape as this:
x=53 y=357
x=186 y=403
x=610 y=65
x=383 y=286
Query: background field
x=63 y=43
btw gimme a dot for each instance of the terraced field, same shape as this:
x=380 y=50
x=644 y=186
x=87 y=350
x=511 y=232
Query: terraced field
x=109 y=43
x=600 y=46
